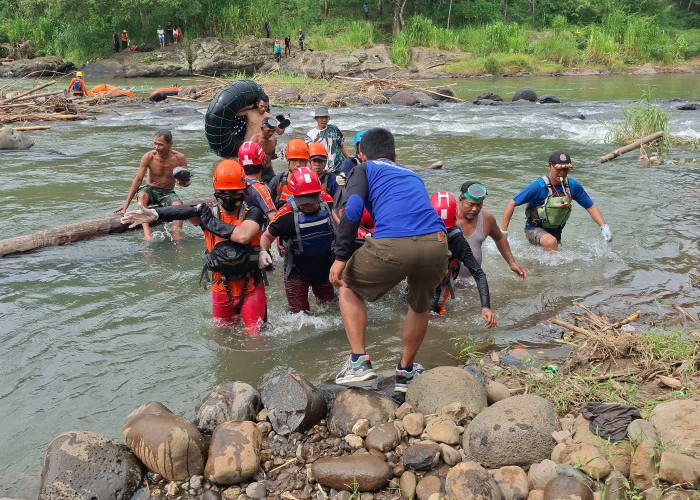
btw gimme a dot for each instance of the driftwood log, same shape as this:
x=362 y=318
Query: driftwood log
x=630 y=147
x=70 y=233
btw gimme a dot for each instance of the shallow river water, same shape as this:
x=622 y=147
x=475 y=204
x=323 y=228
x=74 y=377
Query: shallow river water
x=90 y=331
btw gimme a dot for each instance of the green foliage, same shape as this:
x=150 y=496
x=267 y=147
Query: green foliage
x=492 y=65
x=641 y=120
x=399 y=50
x=476 y=12
x=561 y=47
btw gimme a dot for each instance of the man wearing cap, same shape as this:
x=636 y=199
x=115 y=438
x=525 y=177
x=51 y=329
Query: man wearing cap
x=77 y=86
x=125 y=40
x=317 y=160
x=332 y=139
x=164 y=167
x=549 y=204
x=477 y=224
x=268 y=141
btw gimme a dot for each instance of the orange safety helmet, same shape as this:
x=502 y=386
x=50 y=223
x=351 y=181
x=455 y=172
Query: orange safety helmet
x=296 y=149
x=228 y=175
x=304 y=181
x=251 y=153
x=317 y=149
x=300 y=29
x=446 y=207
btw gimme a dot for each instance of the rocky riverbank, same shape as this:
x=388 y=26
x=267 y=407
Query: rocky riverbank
x=483 y=431
x=218 y=56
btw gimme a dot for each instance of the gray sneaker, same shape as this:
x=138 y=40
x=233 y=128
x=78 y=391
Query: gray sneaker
x=355 y=371
x=405 y=377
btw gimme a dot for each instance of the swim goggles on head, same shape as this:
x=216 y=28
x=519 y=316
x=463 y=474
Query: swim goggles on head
x=476 y=192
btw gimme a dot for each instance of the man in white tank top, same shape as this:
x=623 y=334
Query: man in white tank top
x=477 y=224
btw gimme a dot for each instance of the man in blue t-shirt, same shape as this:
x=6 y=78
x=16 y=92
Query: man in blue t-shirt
x=409 y=241
x=549 y=204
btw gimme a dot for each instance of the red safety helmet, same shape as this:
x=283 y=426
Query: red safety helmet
x=446 y=207
x=304 y=181
x=251 y=153
x=296 y=149
x=229 y=175
x=317 y=149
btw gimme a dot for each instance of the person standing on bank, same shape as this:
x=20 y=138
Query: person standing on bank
x=301 y=39
x=549 y=205
x=287 y=46
x=332 y=139
x=477 y=224
x=365 y=7
x=164 y=167
x=409 y=241
x=278 y=50
x=115 y=42
x=125 y=40
x=266 y=27
x=161 y=36
x=232 y=237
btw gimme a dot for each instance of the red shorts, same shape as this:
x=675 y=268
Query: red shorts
x=297 y=291
x=253 y=312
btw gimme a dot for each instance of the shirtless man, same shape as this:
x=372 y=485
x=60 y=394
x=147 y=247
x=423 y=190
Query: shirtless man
x=254 y=114
x=477 y=224
x=268 y=141
x=165 y=167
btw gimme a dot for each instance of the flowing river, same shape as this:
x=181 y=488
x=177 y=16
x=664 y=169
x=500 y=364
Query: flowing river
x=91 y=330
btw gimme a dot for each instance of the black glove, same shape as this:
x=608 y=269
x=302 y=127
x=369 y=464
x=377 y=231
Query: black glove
x=181 y=174
x=284 y=121
x=212 y=224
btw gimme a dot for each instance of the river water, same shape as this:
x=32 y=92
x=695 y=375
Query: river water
x=92 y=330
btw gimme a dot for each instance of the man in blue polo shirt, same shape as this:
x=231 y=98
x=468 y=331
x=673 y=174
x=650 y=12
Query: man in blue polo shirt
x=409 y=241
x=549 y=204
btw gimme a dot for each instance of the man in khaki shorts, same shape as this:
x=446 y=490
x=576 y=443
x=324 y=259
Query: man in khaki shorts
x=409 y=241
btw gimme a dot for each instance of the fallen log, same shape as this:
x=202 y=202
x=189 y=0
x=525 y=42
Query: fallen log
x=71 y=233
x=630 y=147
x=35 y=127
x=39 y=87
x=568 y=326
x=41 y=117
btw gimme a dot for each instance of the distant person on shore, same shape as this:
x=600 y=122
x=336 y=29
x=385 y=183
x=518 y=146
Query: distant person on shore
x=255 y=113
x=164 y=167
x=331 y=137
x=365 y=7
x=77 y=86
x=177 y=34
x=232 y=236
x=266 y=27
x=287 y=46
x=446 y=207
x=478 y=224
x=549 y=205
x=302 y=37
x=278 y=50
x=115 y=42
x=169 y=33
x=409 y=241
x=125 y=40
x=161 y=36
x=268 y=141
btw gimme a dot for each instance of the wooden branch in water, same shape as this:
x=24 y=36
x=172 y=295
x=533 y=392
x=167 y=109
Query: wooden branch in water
x=36 y=127
x=630 y=147
x=42 y=117
x=38 y=87
x=573 y=328
x=70 y=233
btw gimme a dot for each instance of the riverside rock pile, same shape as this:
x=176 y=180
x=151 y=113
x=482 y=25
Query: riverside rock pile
x=458 y=435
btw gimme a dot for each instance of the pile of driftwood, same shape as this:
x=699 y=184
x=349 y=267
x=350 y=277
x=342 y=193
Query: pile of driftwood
x=366 y=88
x=39 y=104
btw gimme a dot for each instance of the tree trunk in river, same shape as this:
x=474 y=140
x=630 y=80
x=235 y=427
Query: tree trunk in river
x=630 y=147
x=73 y=232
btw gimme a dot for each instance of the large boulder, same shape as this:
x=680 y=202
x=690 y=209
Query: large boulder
x=14 y=139
x=354 y=404
x=234 y=453
x=371 y=472
x=216 y=56
x=39 y=66
x=293 y=403
x=325 y=64
x=170 y=61
x=427 y=59
x=82 y=465
x=166 y=443
x=525 y=94
x=231 y=400
x=514 y=431
x=441 y=386
x=678 y=424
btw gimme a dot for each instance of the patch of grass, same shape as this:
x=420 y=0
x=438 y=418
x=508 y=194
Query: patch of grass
x=640 y=120
x=274 y=81
x=498 y=62
x=399 y=51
